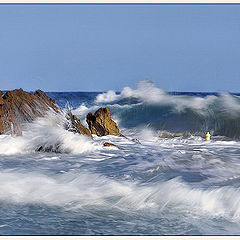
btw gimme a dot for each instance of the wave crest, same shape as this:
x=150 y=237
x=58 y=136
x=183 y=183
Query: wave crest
x=151 y=106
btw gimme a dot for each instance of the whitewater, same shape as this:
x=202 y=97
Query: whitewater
x=165 y=179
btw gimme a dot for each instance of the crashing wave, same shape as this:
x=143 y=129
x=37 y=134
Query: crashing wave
x=151 y=106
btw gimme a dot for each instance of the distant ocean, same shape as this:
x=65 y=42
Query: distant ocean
x=165 y=180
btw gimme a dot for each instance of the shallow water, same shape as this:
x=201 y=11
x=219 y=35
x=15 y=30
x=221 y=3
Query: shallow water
x=174 y=183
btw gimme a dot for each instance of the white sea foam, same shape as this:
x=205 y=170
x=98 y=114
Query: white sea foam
x=147 y=92
x=68 y=189
x=11 y=145
x=77 y=190
x=182 y=179
x=109 y=96
x=230 y=104
x=82 y=110
x=48 y=133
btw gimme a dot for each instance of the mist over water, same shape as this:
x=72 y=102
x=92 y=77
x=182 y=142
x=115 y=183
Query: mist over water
x=171 y=183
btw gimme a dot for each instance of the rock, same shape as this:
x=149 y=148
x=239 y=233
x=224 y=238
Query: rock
x=107 y=144
x=18 y=106
x=7 y=120
x=76 y=125
x=135 y=140
x=47 y=101
x=101 y=124
x=1 y=99
x=52 y=148
x=166 y=134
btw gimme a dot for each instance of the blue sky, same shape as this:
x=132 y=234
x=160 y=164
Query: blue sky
x=103 y=47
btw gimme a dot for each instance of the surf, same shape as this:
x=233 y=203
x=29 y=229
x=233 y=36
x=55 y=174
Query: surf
x=175 y=112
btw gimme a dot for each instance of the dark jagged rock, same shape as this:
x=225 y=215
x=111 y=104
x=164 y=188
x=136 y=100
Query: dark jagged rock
x=101 y=124
x=52 y=148
x=135 y=140
x=107 y=144
x=76 y=125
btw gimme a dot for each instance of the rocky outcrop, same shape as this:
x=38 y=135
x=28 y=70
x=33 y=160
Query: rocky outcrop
x=101 y=124
x=76 y=126
x=18 y=107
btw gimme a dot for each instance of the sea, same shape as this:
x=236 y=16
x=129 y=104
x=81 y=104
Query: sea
x=165 y=179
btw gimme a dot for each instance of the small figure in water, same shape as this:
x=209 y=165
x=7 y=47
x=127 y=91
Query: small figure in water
x=208 y=136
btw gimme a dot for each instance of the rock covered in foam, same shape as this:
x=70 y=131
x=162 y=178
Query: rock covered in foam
x=101 y=123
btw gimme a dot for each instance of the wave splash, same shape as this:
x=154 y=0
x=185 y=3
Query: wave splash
x=151 y=106
x=47 y=134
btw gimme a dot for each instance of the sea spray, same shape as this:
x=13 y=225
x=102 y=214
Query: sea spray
x=149 y=105
x=47 y=134
x=173 y=183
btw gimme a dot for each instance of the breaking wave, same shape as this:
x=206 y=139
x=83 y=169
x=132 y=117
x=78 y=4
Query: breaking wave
x=171 y=182
x=151 y=106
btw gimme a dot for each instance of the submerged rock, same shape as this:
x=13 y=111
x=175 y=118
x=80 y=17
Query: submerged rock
x=107 y=144
x=167 y=134
x=101 y=124
x=52 y=148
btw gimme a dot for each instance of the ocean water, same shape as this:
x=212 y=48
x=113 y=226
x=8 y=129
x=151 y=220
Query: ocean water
x=165 y=180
